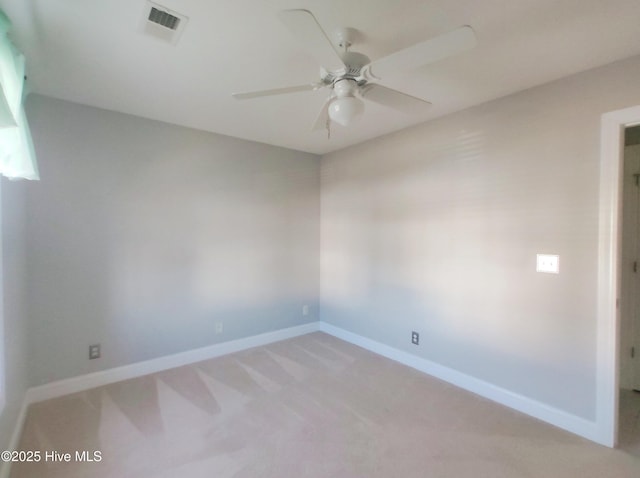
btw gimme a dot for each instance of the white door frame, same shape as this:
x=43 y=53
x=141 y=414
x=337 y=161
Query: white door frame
x=612 y=129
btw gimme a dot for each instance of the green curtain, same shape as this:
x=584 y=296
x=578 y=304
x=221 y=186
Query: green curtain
x=17 y=156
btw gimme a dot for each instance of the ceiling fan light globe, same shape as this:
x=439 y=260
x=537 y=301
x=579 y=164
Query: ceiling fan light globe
x=344 y=110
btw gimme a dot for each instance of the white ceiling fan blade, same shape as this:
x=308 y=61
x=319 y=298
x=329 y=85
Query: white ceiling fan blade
x=275 y=91
x=394 y=99
x=423 y=53
x=321 y=121
x=306 y=28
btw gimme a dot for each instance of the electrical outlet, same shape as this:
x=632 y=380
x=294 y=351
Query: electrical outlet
x=305 y=309
x=219 y=327
x=415 y=338
x=94 y=351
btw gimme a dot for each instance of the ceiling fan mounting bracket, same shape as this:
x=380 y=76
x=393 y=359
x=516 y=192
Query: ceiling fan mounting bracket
x=345 y=37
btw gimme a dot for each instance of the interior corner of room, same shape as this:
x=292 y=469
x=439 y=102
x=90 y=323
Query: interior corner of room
x=494 y=246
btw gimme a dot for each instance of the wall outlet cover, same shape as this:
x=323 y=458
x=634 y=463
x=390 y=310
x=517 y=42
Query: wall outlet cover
x=549 y=263
x=415 y=338
x=94 y=351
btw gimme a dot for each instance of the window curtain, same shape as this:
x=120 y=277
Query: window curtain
x=17 y=156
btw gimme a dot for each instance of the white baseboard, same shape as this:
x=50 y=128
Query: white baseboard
x=541 y=411
x=5 y=469
x=105 y=377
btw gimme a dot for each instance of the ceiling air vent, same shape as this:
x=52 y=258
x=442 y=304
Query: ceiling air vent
x=164 y=19
x=162 y=23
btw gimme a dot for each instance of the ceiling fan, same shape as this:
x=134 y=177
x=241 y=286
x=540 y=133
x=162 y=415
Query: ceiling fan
x=349 y=75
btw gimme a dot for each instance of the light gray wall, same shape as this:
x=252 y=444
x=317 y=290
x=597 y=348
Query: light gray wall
x=12 y=305
x=142 y=235
x=436 y=229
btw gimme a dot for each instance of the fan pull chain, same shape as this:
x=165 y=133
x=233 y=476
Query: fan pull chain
x=328 y=125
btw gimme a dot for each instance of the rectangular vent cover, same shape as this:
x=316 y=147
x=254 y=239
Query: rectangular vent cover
x=163 y=18
x=162 y=23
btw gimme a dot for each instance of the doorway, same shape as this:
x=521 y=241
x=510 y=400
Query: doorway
x=629 y=344
x=612 y=134
x=630 y=264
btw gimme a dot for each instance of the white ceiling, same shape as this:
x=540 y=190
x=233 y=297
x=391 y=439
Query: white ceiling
x=92 y=52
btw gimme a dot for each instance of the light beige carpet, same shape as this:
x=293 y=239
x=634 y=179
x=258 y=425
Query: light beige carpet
x=629 y=433
x=313 y=406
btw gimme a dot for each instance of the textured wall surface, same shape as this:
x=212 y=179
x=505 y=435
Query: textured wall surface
x=436 y=229
x=13 y=348
x=143 y=235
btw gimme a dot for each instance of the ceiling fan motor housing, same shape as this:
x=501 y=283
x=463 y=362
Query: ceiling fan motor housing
x=354 y=68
